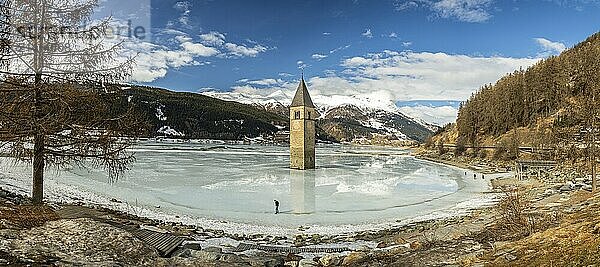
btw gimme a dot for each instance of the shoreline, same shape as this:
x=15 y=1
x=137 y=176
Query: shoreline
x=71 y=195
x=417 y=241
x=382 y=242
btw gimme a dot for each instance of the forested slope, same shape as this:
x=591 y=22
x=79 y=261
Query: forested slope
x=558 y=94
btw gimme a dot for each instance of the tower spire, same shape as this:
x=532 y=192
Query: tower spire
x=302 y=129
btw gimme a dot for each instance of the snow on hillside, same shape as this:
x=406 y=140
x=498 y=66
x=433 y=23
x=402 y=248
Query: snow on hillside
x=324 y=103
x=278 y=97
x=160 y=115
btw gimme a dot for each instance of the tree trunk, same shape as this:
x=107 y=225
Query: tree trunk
x=38 y=147
x=38 y=169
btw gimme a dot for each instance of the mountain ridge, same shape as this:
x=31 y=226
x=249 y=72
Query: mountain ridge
x=369 y=117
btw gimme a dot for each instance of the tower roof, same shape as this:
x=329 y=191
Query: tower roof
x=302 y=98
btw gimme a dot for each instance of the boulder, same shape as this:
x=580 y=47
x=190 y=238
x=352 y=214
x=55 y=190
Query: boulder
x=416 y=245
x=307 y=263
x=276 y=262
x=399 y=240
x=292 y=257
x=354 y=258
x=213 y=249
x=330 y=260
x=192 y=245
x=182 y=253
x=231 y=258
x=565 y=188
x=206 y=256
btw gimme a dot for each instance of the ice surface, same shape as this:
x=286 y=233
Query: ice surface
x=234 y=185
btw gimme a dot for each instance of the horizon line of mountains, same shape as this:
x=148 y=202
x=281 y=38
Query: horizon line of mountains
x=205 y=116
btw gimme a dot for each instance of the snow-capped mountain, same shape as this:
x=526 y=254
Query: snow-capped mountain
x=346 y=118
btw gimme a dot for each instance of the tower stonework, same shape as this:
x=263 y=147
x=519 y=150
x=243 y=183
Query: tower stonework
x=302 y=129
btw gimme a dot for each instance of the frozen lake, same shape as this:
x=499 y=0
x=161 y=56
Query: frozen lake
x=238 y=183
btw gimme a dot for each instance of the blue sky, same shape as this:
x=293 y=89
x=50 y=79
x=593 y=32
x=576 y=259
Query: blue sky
x=390 y=49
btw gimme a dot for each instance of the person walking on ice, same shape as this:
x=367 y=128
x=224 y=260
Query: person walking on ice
x=276 y=206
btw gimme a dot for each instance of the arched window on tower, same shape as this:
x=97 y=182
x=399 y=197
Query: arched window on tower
x=308 y=117
x=297 y=115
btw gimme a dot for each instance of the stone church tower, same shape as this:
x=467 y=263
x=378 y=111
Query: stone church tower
x=302 y=129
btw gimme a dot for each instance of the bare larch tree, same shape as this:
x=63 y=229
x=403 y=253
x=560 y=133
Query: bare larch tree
x=60 y=103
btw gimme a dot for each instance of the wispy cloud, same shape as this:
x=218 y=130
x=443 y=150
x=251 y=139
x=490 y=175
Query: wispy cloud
x=262 y=82
x=318 y=56
x=326 y=33
x=461 y=10
x=185 y=8
x=285 y=74
x=213 y=38
x=339 y=49
x=401 y=5
x=367 y=33
x=392 y=35
x=549 y=47
x=244 y=51
x=464 y=10
x=578 y=5
x=302 y=65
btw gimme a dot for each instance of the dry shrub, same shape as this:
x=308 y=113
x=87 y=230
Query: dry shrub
x=515 y=218
x=573 y=243
x=430 y=239
x=26 y=216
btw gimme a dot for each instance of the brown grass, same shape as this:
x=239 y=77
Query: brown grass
x=575 y=242
x=26 y=216
x=516 y=218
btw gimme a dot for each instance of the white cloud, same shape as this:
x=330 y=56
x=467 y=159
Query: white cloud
x=406 y=44
x=464 y=10
x=213 y=38
x=393 y=76
x=549 y=48
x=367 y=33
x=155 y=61
x=318 y=56
x=326 y=33
x=436 y=115
x=199 y=49
x=411 y=75
x=245 y=51
x=393 y=35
